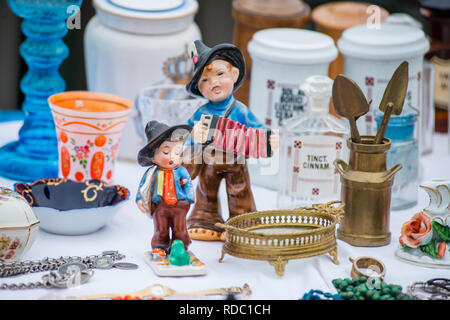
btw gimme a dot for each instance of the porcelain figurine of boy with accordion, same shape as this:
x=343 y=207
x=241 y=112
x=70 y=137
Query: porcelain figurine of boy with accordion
x=229 y=128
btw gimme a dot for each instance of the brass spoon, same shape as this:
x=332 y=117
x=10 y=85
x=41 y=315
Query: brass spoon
x=393 y=98
x=349 y=102
x=161 y=291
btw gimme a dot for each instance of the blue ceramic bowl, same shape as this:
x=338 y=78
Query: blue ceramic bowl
x=68 y=207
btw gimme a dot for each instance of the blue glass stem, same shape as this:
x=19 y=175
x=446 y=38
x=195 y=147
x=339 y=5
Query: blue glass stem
x=35 y=155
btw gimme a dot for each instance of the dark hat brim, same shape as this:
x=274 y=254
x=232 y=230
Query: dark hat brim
x=230 y=52
x=145 y=155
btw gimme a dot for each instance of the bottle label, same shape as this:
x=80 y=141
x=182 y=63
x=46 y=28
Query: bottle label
x=312 y=173
x=285 y=100
x=441 y=74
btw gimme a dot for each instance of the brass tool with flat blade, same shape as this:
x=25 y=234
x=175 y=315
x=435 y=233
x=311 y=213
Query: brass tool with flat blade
x=161 y=291
x=393 y=98
x=349 y=102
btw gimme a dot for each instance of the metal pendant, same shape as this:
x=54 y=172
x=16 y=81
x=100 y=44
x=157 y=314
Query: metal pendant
x=104 y=262
x=68 y=280
x=125 y=265
x=71 y=267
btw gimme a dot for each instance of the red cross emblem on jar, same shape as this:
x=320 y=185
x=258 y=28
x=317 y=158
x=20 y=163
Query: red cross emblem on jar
x=296 y=169
x=339 y=145
x=298 y=144
x=315 y=191
x=271 y=84
x=370 y=81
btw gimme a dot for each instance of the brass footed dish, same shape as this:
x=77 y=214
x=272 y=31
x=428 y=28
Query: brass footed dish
x=280 y=235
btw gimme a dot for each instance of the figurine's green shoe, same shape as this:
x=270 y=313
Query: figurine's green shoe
x=178 y=255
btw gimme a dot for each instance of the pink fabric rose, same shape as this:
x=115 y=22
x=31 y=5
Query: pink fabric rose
x=416 y=231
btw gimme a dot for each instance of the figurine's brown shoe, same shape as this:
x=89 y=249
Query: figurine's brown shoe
x=205 y=234
x=201 y=224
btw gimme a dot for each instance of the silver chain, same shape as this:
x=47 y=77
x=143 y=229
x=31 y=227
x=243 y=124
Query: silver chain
x=52 y=279
x=437 y=289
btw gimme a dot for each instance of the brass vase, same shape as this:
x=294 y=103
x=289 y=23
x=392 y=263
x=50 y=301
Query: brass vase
x=366 y=192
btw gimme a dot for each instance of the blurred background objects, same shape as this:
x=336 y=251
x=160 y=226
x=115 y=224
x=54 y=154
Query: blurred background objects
x=214 y=19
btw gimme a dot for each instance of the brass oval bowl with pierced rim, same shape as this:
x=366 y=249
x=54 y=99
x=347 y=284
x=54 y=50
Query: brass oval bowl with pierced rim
x=280 y=235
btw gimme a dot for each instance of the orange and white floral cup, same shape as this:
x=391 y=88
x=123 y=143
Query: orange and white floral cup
x=89 y=127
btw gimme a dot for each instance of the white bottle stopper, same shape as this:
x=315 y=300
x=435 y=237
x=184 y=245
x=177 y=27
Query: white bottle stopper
x=318 y=90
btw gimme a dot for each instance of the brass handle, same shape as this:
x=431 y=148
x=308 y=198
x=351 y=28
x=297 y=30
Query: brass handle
x=392 y=171
x=226 y=226
x=338 y=163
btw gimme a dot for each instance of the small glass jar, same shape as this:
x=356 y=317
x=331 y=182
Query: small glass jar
x=405 y=150
x=169 y=103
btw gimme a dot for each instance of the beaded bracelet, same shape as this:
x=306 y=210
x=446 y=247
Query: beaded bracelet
x=374 y=289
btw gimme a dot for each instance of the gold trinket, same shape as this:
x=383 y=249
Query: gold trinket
x=361 y=264
x=280 y=235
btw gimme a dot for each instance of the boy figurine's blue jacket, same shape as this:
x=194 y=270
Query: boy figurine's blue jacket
x=148 y=186
x=239 y=113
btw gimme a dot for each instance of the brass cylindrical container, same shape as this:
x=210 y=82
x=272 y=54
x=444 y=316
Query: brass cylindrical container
x=366 y=192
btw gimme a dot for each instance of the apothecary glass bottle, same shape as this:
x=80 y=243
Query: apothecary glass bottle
x=308 y=146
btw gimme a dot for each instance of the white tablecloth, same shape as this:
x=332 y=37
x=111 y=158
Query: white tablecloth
x=130 y=232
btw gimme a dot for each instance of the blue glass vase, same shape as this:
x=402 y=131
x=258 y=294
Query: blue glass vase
x=35 y=155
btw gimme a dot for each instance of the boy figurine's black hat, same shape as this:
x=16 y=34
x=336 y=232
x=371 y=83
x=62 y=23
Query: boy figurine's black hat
x=156 y=133
x=202 y=55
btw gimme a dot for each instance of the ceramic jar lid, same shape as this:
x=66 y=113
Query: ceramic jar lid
x=387 y=42
x=344 y=15
x=147 y=5
x=146 y=16
x=15 y=212
x=265 y=14
x=292 y=46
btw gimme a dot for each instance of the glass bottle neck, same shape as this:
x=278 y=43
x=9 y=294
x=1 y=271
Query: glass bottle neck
x=319 y=106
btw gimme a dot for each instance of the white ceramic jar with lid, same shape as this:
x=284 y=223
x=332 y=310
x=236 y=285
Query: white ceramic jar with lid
x=371 y=55
x=18 y=226
x=132 y=44
x=282 y=58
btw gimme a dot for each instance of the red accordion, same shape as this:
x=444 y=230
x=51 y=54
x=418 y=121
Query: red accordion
x=231 y=136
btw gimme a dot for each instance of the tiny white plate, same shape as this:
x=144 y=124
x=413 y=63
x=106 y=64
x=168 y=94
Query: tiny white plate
x=161 y=267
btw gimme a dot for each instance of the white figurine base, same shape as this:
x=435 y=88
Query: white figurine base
x=160 y=265
x=417 y=257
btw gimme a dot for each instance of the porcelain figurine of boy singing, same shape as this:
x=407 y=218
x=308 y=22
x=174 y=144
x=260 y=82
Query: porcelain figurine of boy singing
x=165 y=191
x=218 y=73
